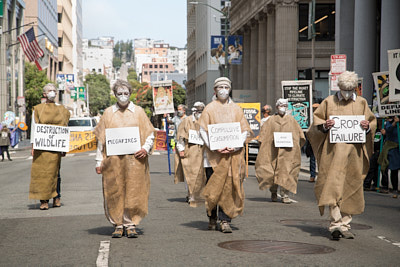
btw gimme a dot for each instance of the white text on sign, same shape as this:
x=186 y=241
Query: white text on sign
x=122 y=141
x=347 y=129
x=224 y=135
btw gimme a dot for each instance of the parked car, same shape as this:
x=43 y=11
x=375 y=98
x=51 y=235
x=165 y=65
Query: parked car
x=82 y=124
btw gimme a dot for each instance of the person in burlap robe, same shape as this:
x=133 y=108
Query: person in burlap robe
x=342 y=167
x=225 y=168
x=279 y=165
x=126 y=178
x=46 y=164
x=189 y=157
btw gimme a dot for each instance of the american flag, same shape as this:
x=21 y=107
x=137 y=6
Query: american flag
x=30 y=46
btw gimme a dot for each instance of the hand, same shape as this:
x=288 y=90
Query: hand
x=182 y=154
x=32 y=151
x=395 y=119
x=226 y=150
x=142 y=153
x=364 y=124
x=329 y=124
x=63 y=154
x=98 y=170
x=383 y=131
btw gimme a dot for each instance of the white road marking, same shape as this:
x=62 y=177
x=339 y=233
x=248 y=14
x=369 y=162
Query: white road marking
x=30 y=157
x=92 y=154
x=156 y=153
x=395 y=243
x=102 y=258
x=70 y=155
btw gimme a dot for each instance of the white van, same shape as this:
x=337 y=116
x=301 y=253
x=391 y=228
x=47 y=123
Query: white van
x=82 y=124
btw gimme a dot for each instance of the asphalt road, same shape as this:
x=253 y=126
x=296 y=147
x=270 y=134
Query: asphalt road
x=174 y=234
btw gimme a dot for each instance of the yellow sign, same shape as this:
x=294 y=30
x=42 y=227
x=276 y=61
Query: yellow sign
x=81 y=142
x=252 y=114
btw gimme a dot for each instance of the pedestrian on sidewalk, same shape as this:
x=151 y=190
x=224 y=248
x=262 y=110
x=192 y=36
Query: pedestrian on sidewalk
x=189 y=157
x=5 y=140
x=126 y=178
x=277 y=165
x=225 y=168
x=46 y=164
x=342 y=167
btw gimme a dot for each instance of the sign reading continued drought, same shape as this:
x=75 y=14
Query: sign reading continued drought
x=122 y=141
x=51 y=138
x=223 y=135
x=347 y=129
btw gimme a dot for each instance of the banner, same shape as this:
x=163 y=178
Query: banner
x=299 y=95
x=347 y=129
x=394 y=72
x=235 y=49
x=160 y=142
x=82 y=142
x=385 y=107
x=163 y=99
x=223 y=135
x=51 y=138
x=122 y=141
x=252 y=114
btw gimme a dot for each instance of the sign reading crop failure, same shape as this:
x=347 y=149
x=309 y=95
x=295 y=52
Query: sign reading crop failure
x=122 y=141
x=51 y=138
x=347 y=129
x=223 y=135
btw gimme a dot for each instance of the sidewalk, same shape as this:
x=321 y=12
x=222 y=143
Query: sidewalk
x=22 y=145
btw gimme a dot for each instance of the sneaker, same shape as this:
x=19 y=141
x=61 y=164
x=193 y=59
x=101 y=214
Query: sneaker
x=131 y=232
x=274 y=197
x=10 y=159
x=212 y=224
x=286 y=200
x=44 y=204
x=56 y=202
x=347 y=235
x=336 y=234
x=225 y=227
x=118 y=233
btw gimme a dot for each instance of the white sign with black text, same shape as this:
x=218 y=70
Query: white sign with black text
x=194 y=138
x=283 y=139
x=51 y=138
x=122 y=141
x=394 y=74
x=347 y=129
x=224 y=135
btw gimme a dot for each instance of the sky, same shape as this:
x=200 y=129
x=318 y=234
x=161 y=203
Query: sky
x=130 y=19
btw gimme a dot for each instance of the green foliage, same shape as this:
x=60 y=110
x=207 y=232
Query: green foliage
x=179 y=94
x=132 y=75
x=117 y=62
x=99 y=92
x=34 y=81
x=123 y=50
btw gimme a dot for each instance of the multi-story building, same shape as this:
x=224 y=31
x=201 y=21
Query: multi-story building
x=43 y=15
x=77 y=32
x=98 y=56
x=161 y=67
x=11 y=57
x=178 y=57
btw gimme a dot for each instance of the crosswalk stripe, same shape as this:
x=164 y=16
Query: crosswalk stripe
x=102 y=258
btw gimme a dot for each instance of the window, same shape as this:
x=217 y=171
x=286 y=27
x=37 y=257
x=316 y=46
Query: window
x=324 y=22
x=151 y=66
x=155 y=66
x=60 y=41
x=145 y=73
x=161 y=66
x=59 y=17
x=60 y=66
x=166 y=66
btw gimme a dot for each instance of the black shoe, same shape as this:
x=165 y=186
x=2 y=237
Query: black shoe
x=347 y=235
x=10 y=159
x=335 y=234
x=131 y=233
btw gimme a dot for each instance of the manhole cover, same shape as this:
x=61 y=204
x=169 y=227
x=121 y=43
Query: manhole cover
x=323 y=223
x=274 y=247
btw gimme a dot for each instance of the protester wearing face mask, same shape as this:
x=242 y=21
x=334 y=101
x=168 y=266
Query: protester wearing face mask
x=126 y=178
x=180 y=115
x=224 y=167
x=276 y=165
x=342 y=167
x=45 y=181
x=189 y=157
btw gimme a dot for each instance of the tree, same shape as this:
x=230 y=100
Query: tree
x=99 y=92
x=34 y=81
x=179 y=94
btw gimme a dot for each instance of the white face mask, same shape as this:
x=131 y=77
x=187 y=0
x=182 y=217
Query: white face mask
x=282 y=110
x=223 y=94
x=347 y=94
x=197 y=116
x=180 y=113
x=122 y=96
x=51 y=95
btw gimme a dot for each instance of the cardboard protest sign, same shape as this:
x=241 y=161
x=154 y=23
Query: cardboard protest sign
x=194 y=138
x=299 y=95
x=252 y=114
x=122 y=141
x=82 y=142
x=51 y=138
x=347 y=129
x=163 y=99
x=283 y=139
x=385 y=107
x=223 y=135
x=394 y=72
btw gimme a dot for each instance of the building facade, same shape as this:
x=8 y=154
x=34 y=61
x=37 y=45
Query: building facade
x=77 y=33
x=98 y=56
x=161 y=67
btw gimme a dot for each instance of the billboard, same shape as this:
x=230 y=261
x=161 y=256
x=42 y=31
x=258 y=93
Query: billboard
x=235 y=49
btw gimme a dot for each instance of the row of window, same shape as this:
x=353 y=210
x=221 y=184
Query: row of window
x=158 y=66
x=151 y=72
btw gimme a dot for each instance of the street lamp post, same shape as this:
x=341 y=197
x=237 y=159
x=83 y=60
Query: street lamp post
x=226 y=35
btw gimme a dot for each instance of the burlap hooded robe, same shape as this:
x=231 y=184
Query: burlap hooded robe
x=225 y=186
x=342 y=167
x=191 y=165
x=126 y=179
x=279 y=165
x=45 y=164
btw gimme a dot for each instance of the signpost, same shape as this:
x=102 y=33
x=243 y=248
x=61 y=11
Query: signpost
x=338 y=66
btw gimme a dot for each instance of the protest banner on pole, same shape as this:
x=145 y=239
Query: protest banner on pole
x=194 y=138
x=82 y=142
x=160 y=142
x=51 y=138
x=283 y=139
x=299 y=95
x=347 y=129
x=385 y=107
x=163 y=99
x=223 y=135
x=122 y=141
x=252 y=114
x=394 y=72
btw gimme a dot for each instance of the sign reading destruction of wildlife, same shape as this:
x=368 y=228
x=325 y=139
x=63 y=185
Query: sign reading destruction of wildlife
x=252 y=114
x=385 y=107
x=122 y=141
x=347 y=129
x=163 y=99
x=224 y=135
x=51 y=138
x=299 y=95
x=394 y=72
